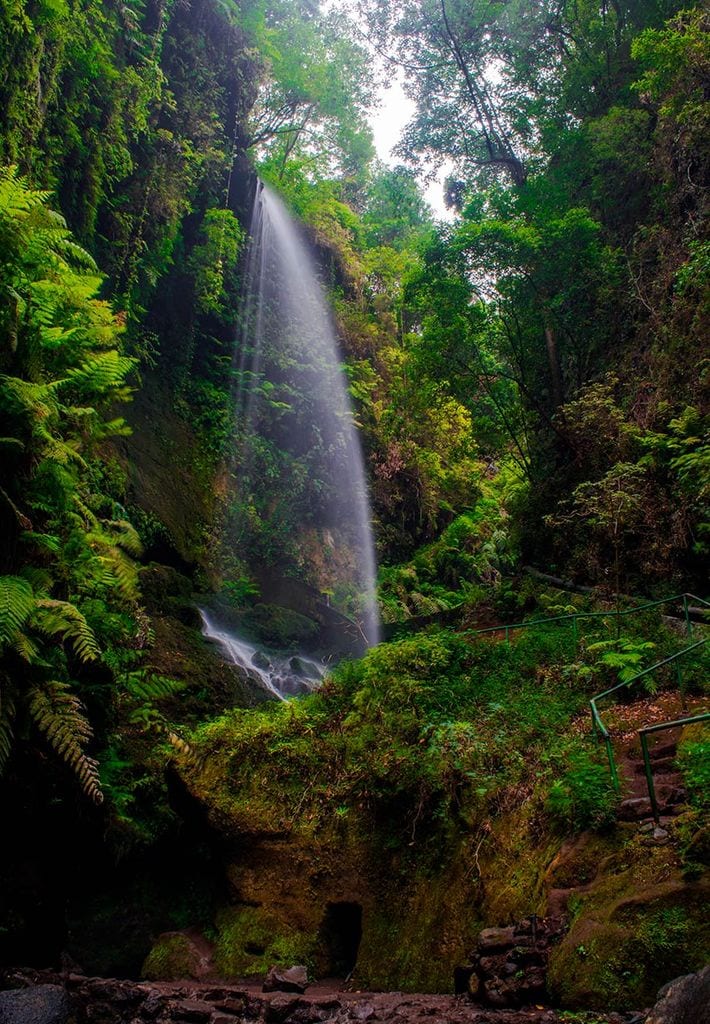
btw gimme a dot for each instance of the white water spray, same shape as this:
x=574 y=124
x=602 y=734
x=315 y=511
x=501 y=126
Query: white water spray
x=302 y=499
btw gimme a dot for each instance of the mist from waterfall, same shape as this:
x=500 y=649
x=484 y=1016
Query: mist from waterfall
x=301 y=495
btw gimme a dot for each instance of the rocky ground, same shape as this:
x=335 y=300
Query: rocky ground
x=47 y=998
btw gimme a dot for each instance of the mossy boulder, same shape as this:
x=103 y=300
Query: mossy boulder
x=280 y=627
x=250 y=940
x=174 y=956
x=619 y=955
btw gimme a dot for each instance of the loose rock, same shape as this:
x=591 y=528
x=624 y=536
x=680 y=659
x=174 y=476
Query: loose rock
x=684 y=1000
x=38 y=1004
x=290 y=979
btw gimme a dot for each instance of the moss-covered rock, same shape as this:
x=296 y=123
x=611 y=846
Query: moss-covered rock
x=636 y=926
x=174 y=956
x=250 y=940
x=281 y=627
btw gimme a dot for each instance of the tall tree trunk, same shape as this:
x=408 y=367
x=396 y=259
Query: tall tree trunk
x=553 y=362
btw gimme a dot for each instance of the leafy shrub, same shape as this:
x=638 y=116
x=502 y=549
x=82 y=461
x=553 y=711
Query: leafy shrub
x=694 y=763
x=584 y=797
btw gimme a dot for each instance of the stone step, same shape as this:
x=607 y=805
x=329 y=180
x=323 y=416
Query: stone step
x=663 y=750
x=658 y=764
x=638 y=807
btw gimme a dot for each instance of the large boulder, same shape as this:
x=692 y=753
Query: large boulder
x=38 y=1004
x=684 y=1000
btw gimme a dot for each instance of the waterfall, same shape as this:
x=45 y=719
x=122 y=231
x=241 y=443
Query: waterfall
x=298 y=493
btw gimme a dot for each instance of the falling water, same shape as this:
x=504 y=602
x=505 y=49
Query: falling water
x=301 y=503
x=279 y=676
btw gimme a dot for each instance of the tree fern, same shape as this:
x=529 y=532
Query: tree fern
x=59 y=714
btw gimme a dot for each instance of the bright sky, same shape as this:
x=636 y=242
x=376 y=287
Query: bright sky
x=387 y=123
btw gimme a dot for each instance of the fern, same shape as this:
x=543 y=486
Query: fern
x=59 y=714
x=181 y=746
x=61 y=618
x=125 y=536
x=17 y=602
x=147 y=686
x=101 y=373
x=7 y=715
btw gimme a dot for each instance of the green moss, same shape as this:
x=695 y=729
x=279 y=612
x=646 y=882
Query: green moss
x=250 y=940
x=280 y=626
x=172 y=957
x=620 y=960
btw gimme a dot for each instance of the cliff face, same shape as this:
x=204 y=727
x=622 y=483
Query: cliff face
x=136 y=122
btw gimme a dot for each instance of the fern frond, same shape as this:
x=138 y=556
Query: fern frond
x=101 y=373
x=61 y=618
x=145 y=685
x=25 y=646
x=36 y=399
x=60 y=715
x=125 y=536
x=7 y=715
x=180 y=745
x=20 y=516
x=17 y=602
x=39 y=579
x=119 y=569
x=46 y=541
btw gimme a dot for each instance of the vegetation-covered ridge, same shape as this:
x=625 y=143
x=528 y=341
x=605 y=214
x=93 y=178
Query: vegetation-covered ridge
x=444 y=772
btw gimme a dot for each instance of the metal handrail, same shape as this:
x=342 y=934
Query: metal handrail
x=598 y=725
x=643 y=736
x=573 y=617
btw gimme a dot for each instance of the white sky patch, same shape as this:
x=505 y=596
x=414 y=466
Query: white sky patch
x=388 y=120
x=387 y=123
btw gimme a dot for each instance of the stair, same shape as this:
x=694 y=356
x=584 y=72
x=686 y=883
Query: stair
x=668 y=782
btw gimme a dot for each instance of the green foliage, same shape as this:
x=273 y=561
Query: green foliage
x=213 y=260
x=584 y=797
x=626 y=656
x=418 y=738
x=694 y=763
x=63 y=375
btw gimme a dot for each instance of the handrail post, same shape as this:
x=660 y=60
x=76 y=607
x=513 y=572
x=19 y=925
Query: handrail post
x=681 y=685
x=686 y=613
x=612 y=764
x=574 y=631
x=507 y=635
x=649 y=777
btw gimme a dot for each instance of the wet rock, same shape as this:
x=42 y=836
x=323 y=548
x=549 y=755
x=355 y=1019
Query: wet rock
x=289 y=979
x=363 y=1011
x=635 y=808
x=684 y=1000
x=38 y=1004
x=492 y=939
x=190 y=1010
x=279 y=1008
x=259 y=660
x=304 y=669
